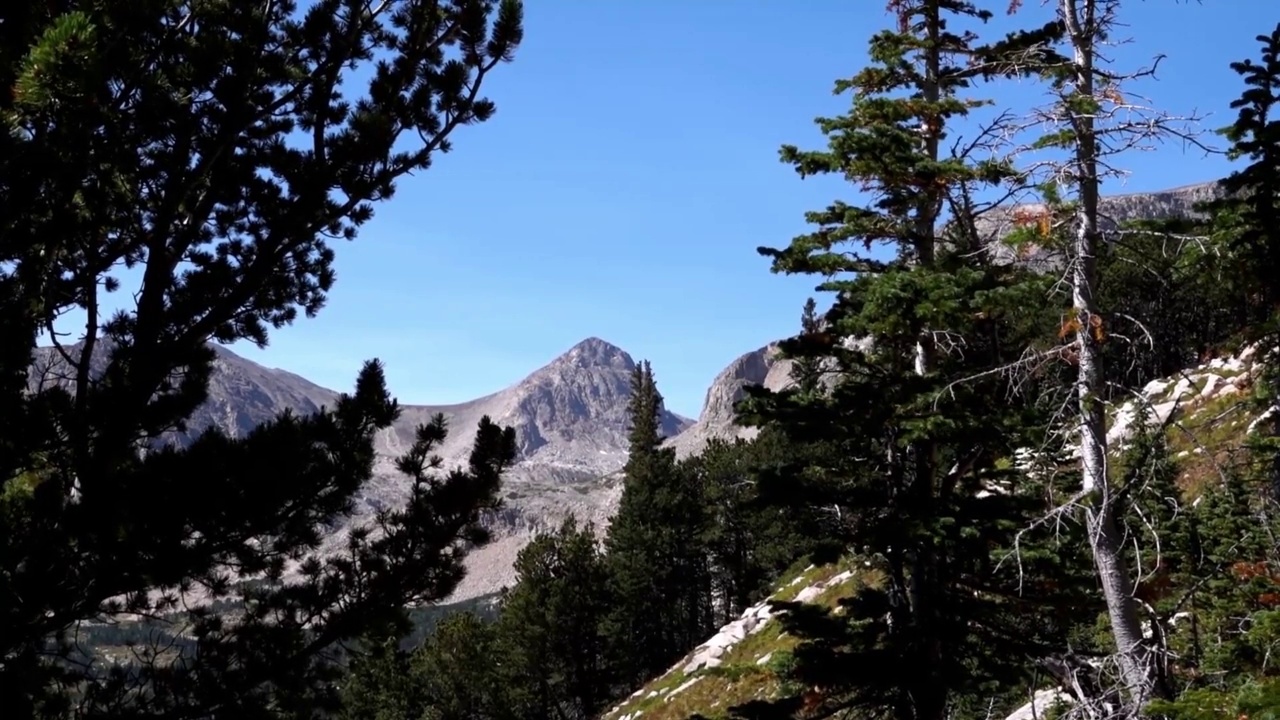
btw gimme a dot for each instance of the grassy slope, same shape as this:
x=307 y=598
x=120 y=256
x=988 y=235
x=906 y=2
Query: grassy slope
x=750 y=669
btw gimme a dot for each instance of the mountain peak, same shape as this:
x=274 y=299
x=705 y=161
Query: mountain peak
x=596 y=353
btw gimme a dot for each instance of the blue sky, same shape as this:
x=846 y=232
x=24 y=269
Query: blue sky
x=628 y=176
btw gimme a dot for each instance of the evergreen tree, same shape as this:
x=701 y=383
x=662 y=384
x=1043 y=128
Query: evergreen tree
x=920 y=429
x=1222 y=614
x=218 y=148
x=1173 y=298
x=1246 y=221
x=658 y=572
x=554 y=658
x=1092 y=123
x=1163 y=546
x=806 y=372
x=454 y=675
x=749 y=540
x=379 y=686
x=1250 y=213
x=458 y=672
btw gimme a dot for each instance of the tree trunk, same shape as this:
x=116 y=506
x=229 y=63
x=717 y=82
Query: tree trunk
x=1104 y=535
x=928 y=698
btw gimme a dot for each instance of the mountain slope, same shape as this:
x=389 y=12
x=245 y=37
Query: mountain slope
x=570 y=418
x=242 y=393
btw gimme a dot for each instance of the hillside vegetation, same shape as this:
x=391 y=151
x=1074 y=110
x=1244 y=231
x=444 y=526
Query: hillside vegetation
x=1206 y=417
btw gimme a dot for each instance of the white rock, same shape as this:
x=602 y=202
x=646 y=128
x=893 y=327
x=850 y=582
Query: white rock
x=808 y=594
x=1210 y=385
x=1162 y=411
x=720 y=639
x=683 y=686
x=697 y=663
x=1261 y=418
x=1155 y=387
x=1040 y=704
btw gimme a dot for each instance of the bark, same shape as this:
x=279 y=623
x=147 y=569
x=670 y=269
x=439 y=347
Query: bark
x=1104 y=534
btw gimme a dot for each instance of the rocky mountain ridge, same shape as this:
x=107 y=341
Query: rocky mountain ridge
x=570 y=415
x=1115 y=210
x=762 y=366
x=570 y=418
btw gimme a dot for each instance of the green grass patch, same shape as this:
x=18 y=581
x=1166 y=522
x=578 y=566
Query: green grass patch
x=741 y=676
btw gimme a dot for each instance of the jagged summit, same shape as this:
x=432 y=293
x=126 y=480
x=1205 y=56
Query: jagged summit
x=595 y=353
x=574 y=409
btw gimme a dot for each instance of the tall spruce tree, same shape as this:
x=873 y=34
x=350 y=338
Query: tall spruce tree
x=918 y=457
x=218 y=148
x=659 y=581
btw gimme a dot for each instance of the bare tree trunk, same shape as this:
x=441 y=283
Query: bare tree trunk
x=1104 y=535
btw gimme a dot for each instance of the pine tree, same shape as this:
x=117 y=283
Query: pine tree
x=380 y=686
x=1163 y=546
x=554 y=658
x=658 y=573
x=1250 y=212
x=806 y=372
x=218 y=148
x=1246 y=221
x=1091 y=121
x=749 y=541
x=457 y=672
x=916 y=460
x=454 y=674
x=1174 y=296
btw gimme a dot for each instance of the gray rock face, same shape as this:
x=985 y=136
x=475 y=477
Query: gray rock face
x=1115 y=210
x=716 y=421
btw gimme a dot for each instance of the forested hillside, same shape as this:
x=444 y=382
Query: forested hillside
x=1024 y=461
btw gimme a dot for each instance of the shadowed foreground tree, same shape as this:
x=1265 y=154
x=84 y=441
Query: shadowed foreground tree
x=217 y=149
x=658 y=575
